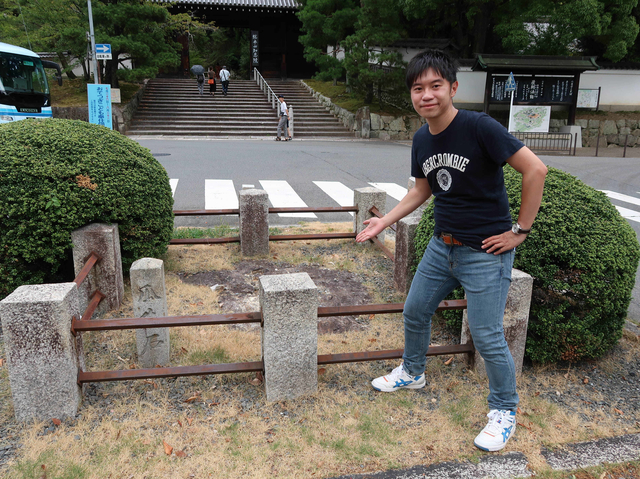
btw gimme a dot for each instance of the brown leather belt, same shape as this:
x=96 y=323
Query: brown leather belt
x=449 y=239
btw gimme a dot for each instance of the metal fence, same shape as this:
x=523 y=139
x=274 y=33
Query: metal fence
x=553 y=142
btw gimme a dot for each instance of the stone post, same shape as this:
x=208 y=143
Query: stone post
x=106 y=275
x=42 y=354
x=291 y=122
x=364 y=199
x=150 y=300
x=289 y=305
x=405 y=256
x=516 y=320
x=254 y=222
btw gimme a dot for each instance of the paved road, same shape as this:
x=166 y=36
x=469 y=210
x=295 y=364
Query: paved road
x=209 y=173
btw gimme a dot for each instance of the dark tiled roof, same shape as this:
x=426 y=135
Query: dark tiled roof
x=534 y=62
x=278 y=4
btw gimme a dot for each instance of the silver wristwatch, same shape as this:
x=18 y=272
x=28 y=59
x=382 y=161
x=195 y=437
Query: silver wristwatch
x=519 y=230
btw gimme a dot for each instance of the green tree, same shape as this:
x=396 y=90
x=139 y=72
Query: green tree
x=135 y=30
x=326 y=23
x=370 y=61
x=547 y=27
x=47 y=25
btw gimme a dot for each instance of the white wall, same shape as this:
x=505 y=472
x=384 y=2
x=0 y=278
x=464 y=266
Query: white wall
x=620 y=88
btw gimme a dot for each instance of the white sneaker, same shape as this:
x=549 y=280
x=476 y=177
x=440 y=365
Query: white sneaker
x=398 y=379
x=501 y=426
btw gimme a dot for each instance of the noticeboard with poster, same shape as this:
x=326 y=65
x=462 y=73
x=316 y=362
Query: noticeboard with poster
x=534 y=90
x=588 y=98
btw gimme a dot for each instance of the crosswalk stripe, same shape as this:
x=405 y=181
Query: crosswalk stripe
x=282 y=195
x=174 y=184
x=340 y=193
x=619 y=196
x=629 y=214
x=396 y=192
x=220 y=195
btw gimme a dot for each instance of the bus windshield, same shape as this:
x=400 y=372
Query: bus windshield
x=22 y=74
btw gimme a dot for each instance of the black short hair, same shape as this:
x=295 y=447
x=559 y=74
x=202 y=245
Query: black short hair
x=440 y=61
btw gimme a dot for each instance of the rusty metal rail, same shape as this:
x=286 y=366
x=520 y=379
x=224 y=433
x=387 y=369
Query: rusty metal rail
x=127 y=374
x=375 y=212
x=391 y=354
x=84 y=272
x=255 y=317
x=230 y=239
x=236 y=211
x=317 y=236
x=167 y=321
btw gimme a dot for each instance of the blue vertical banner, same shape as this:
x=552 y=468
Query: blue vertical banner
x=100 y=104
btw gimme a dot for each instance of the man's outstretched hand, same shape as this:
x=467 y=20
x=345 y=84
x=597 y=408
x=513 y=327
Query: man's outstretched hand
x=374 y=228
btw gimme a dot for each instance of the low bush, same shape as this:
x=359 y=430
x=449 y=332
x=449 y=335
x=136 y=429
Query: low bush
x=583 y=257
x=58 y=175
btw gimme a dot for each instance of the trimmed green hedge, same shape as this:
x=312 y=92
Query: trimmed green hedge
x=583 y=257
x=58 y=175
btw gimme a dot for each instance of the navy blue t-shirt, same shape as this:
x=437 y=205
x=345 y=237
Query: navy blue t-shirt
x=463 y=165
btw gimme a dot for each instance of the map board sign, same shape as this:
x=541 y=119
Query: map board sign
x=530 y=118
x=534 y=90
x=99 y=104
x=588 y=98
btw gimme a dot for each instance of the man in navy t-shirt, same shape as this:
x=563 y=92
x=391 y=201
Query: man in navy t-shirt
x=458 y=157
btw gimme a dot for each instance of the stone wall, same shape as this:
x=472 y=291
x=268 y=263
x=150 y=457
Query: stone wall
x=371 y=125
x=611 y=132
x=122 y=115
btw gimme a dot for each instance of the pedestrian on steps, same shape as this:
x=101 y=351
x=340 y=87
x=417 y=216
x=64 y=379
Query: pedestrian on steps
x=284 y=117
x=200 y=80
x=211 y=74
x=224 y=79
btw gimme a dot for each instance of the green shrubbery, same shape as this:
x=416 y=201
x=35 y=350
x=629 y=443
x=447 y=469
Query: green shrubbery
x=59 y=175
x=583 y=257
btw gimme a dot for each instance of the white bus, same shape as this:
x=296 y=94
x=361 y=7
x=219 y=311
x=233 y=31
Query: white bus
x=24 y=91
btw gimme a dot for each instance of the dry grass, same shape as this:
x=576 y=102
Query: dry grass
x=222 y=426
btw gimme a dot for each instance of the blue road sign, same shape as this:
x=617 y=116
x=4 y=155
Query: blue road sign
x=511 y=83
x=103 y=51
x=103 y=47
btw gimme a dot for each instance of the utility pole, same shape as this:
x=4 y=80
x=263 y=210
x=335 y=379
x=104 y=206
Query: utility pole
x=93 y=44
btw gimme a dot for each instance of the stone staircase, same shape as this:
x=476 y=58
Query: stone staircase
x=174 y=107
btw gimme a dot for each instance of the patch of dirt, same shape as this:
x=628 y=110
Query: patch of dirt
x=240 y=290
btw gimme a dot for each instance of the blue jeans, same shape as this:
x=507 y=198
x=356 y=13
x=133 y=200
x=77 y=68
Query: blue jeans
x=486 y=279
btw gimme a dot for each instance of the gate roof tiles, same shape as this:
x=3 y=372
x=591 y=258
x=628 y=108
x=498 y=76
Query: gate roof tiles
x=240 y=3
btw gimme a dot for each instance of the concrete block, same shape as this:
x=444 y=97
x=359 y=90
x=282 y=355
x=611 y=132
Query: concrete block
x=376 y=122
x=405 y=256
x=609 y=127
x=364 y=199
x=106 y=276
x=42 y=355
x=397 y=124
x=289 y=305
x=384 y=135
x=574 y=130
x=582 y=123
x=594 y=123
x=254 y=222
x=516 y=321
x=621 y=123
x=150 y=301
